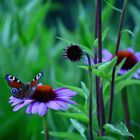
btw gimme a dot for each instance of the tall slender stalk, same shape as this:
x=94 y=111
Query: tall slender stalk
x=114 y=69
x=126 y=110
x=96 y=77
x=90 y=96
x=99 y=35
x=46 y=132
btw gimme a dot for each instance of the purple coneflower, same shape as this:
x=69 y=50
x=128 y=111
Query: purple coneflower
x=43 y=98
x=132 y=58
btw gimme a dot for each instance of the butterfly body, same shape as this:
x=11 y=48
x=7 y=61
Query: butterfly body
x=22 y=90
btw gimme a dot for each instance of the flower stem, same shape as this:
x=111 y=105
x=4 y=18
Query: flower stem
x=99 y=35
x=90 y=96
x=96 y=77
x=114 y=69
x=46 y=132
x=126 y=110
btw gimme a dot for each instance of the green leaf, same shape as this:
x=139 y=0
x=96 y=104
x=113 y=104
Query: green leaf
x=128 y=31
x=119 y=66
x=105 y=70
x=125 y=83
x=36 y=19
x=78 y=116
x=113 y=7
x=120 y=129
x=103 y=37
x=68 y=135
x=79 y=127
x=85 y=90
x=130 y=73
x=106 y=138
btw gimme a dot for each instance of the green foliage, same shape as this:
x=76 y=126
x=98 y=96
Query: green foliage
x=120 y=129
x=32 y=39
x=68 y=135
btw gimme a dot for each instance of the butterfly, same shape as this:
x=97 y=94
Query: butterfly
x=22 y=90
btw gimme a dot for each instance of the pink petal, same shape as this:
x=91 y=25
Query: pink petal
x=137 y=56
x=35 y=106
x=17 y=102
x=42 y=109
x=106 y=55
x=62 y=105
x=67 y=101
x=64 y=92
x=53 y=105
x=26 y=102
x=130 y=50
x=29 y=109
x=17 y=107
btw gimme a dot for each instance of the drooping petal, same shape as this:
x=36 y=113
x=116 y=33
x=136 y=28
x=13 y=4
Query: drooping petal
x=137 y=56
x=64 y=92
x=63 y=105
x=107 y=55
x=91 y=60
x=136 y=76
x=35 y=107
x=122 y=71
x=130 y=50
x=17 y=107
x=17 y=102
x=42 y=109
x=28 y=101
x=29 y=109
x=53 y=105
x=13 y=99
x=66 y=101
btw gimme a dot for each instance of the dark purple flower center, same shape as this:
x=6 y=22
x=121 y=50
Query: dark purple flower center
x=73 y=53
x=131 y=60
x=44 y=93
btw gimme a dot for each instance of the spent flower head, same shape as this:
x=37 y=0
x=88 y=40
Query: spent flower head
x=74 y=53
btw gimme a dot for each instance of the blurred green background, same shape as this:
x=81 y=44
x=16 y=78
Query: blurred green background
x=29 y=44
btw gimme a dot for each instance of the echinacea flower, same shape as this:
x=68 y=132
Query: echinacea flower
x=73 y=52
x=43 y=98
x=132 y=58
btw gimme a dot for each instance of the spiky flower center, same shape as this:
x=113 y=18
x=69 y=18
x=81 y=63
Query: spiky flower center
x=44 y=93
x=131 y=60
x=73 y=53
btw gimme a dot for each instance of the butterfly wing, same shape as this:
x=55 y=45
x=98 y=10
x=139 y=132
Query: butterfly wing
x=13 y=81
x=33 y=84
x=16 y=86
x=36 y=79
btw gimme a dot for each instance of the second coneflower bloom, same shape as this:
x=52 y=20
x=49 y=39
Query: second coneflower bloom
x=132 y=59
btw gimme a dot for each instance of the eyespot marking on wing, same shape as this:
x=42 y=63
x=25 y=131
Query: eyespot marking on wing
x=39 y=75
x=14 y=90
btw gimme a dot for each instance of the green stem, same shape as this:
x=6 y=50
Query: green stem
x=114 y=69
x=126 y=110
x=90 y=96
x=46 y=133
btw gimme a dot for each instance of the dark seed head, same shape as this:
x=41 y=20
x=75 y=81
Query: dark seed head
x=131 y=60
x=73 y=53
x=43 y=93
